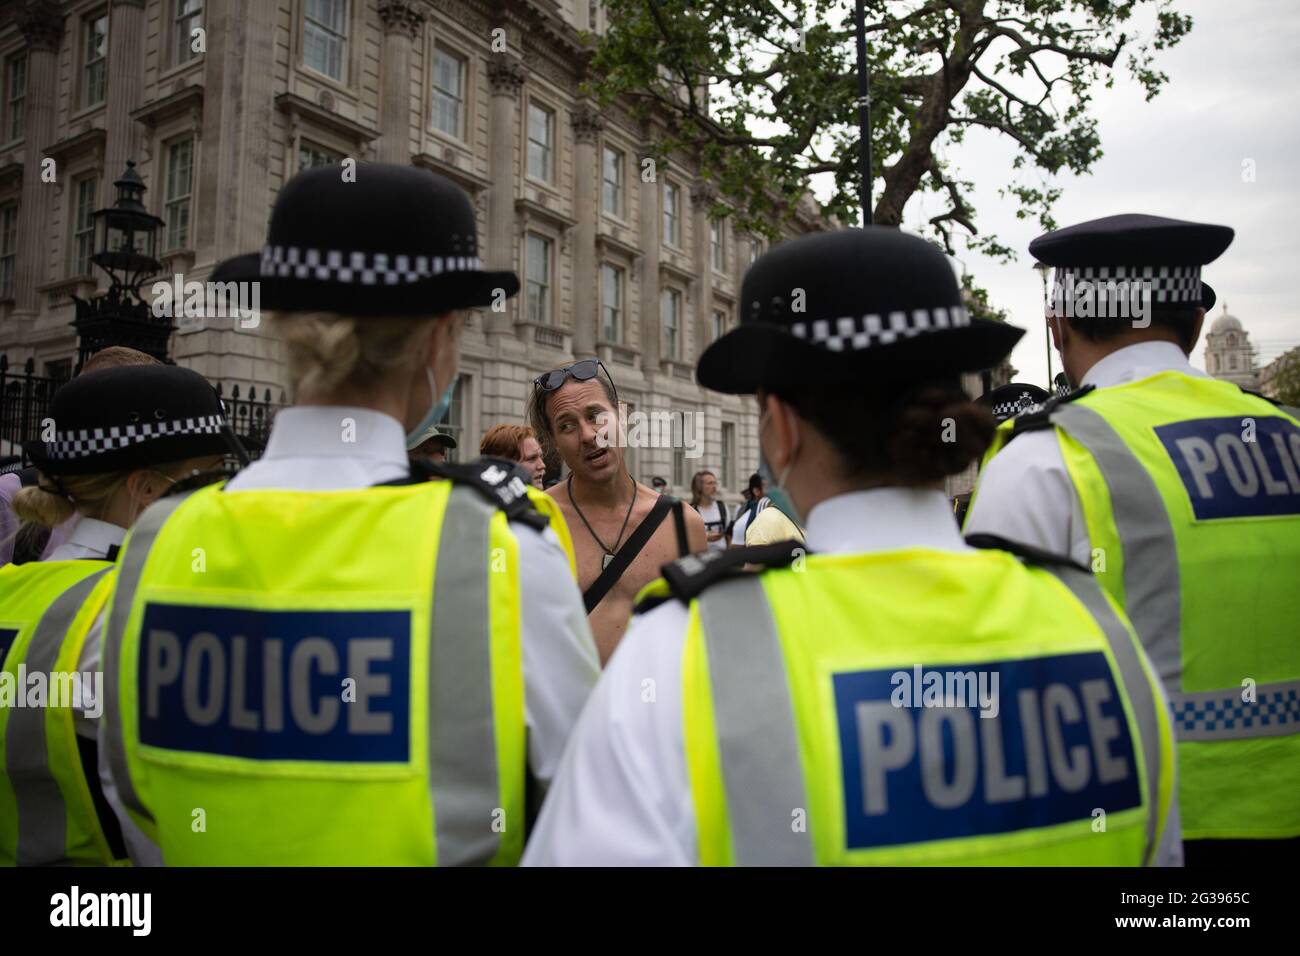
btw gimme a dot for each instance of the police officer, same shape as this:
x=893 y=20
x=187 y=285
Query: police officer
x=1183 y=494
x=887 y=694
x=122 y=437
x=326 y=660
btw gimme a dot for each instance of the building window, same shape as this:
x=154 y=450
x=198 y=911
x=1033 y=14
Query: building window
x=188 y=18
x=539 y=279
x=453 y=421
x=717 y=251
x=309 y=155
x=755 y=250
x=1232 y=362
x=541 y=141
x=672 y=217
x=325 y=37
x=83 y=227
x=8 y=249
x=612 y=187
x=179 y=191
x=94 y=59
x=670 y=316
x=611 y=303
x=448 y=93
x=719 y=324
x=16 y=94
x=728 y=455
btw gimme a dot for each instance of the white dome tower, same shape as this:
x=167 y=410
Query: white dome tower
x=1228 y=353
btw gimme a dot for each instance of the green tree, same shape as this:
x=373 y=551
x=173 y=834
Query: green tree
x=765 y=93
x=1286 y=381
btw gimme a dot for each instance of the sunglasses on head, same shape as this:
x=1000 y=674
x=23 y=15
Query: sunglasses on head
x=582 y=371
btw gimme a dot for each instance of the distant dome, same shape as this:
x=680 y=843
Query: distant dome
x=1226 y=323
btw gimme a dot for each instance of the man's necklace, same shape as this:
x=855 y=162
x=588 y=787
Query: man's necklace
x=609 y=553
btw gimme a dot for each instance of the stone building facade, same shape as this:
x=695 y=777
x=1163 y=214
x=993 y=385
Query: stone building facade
x=1228 y=352
x=219 y=102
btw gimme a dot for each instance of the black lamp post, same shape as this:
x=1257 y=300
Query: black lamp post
x=126 y=247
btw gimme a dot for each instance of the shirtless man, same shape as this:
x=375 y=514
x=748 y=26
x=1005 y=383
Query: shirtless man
x=601 y=502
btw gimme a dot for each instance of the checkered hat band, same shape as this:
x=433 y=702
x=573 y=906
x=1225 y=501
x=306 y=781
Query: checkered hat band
x=1007 y=409
x=1222 y=715
x=853 y=333
x=1169 y=285
x=88 y=442
x=359 y=268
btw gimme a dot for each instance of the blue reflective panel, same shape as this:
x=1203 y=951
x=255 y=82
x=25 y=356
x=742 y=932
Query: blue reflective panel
x=276 y=685
x=1236 y=467
x=7 y=637
x=1020 y=744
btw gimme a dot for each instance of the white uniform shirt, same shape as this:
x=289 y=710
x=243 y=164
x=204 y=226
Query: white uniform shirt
x=306 y=451
x=1025 y=493
x=623 y=796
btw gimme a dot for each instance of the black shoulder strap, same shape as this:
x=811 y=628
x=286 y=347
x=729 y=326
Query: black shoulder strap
x=1040 y=416
x=690 y=575
x=630 y=549
x=496 y=480
x=679 y=522
x=1031 y=554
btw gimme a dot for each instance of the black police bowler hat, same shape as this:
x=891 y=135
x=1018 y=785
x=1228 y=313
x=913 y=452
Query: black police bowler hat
x=117 y=419
x=836 y=307
x=382 y=240
x=1007 y=401
x=1208 y=298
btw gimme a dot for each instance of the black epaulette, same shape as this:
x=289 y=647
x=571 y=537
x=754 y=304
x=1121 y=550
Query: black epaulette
x=1290 y=410
x=1032 y=555
x=689 y=576
x=1039 y=416
x=504 y=483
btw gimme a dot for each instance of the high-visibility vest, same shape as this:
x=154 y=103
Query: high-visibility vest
x=1190 y=489
x=321 y=677
x=815 y=732
x=551 y=508
x=48 y=775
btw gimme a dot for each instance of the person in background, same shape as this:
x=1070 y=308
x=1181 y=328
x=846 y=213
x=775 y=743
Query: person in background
x=786 y=728
x=746 y=510
x=34 y=542
x=123 y=438
x=704 y=487
x=516 y=443
x=430 y=445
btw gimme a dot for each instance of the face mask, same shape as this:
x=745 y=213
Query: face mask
x=775 y=485
x=438 y=409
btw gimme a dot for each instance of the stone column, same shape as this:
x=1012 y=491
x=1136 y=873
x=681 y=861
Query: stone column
x=650 y=225
x=403 y=23
x=587 y=124
x=703 y=195
x=42 y=26
x=506 y=74
x=125 y=86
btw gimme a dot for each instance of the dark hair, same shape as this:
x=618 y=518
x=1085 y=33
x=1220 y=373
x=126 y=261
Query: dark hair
x=541 y=421
x=928 y=431
x=1180 y=320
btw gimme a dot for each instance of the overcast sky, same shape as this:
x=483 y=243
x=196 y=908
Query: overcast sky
x=1233 y=94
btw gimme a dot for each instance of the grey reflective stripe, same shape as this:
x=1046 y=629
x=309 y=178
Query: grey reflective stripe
x=1224 y=715
x=462 y=734
x=762 y=773
x=1152 y=595
x=130 y=566
x=42 y=815
x=1137 y=686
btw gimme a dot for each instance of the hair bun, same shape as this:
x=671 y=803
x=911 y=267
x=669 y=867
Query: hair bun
x=940 y=431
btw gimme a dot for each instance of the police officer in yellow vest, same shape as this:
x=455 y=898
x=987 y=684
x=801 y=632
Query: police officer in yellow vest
x=326 y=660
x=1183 y=494
x=121 y=437
x=885 y=694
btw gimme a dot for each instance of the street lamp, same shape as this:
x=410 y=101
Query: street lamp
x=1042 y=268
x=126 y=247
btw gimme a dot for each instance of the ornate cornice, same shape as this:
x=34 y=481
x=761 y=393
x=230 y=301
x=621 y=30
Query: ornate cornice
x=41 y=23
x=703 y=193
x=401 y=17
